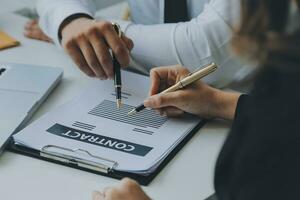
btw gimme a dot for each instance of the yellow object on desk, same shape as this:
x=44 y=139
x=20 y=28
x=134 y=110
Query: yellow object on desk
x=7 y=41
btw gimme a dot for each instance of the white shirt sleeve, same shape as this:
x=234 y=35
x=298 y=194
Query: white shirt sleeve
x=193 y=44
x=53 y=12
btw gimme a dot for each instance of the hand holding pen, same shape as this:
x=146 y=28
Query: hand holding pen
x=89 y=43
x=173 y=76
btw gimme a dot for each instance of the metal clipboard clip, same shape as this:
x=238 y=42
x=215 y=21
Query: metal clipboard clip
x=104 y=165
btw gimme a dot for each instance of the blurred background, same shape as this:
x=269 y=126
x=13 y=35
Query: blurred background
x=15 y=5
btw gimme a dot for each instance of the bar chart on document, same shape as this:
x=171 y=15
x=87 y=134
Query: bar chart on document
x=93 y=122
x=148 y=119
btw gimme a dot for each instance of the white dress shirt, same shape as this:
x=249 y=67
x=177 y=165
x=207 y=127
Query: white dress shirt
x=204 y=39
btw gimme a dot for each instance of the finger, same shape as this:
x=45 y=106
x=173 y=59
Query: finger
x=98 y=195
x=29 y=34
x=35 y=27
x=128 y=42
x=37 y=34
x=164 y=100
x=102 y=52
x=116 y=44
x=74 y=51
x=91 y=58
x=156 y=75
x=172 y=111
x=127 y=182
x=163 y=85
x=155 y=82
x=162 y=78
x=30 y=24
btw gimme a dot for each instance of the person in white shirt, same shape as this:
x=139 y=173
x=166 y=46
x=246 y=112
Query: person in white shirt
x=195 y=43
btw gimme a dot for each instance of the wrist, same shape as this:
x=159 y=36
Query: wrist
x=225 y=104
x=69 y=20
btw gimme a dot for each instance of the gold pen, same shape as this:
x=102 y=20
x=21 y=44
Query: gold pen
x=182 y=84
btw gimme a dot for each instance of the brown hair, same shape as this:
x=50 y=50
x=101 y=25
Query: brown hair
x=263 y=29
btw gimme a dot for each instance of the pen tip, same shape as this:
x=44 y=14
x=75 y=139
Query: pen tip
x=119 y=103
x=132 y=112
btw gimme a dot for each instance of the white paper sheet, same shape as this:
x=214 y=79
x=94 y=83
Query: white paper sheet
x=93 y=123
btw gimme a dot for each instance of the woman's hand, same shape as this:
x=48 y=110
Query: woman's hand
x=127 y=190
x=198 y=99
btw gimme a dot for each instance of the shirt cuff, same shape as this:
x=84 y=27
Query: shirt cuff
x=69 y=20
x=56 y=16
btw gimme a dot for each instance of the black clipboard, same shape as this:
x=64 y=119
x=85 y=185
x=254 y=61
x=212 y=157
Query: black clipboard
x=143 y=180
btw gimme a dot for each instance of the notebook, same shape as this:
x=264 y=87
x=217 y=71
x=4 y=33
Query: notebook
x=7 y=41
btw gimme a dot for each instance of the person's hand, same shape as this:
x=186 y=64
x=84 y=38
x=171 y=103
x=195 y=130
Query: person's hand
x=127 y=190
x=198 y=99
x=88 y=43
x=34 y=31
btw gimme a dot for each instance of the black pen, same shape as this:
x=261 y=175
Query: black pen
x=137 y=109
x=117 y=71
x=190 y=79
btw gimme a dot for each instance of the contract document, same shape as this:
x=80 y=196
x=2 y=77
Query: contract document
x=91 y=128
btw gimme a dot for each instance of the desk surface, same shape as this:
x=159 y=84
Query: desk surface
x=188 y=176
